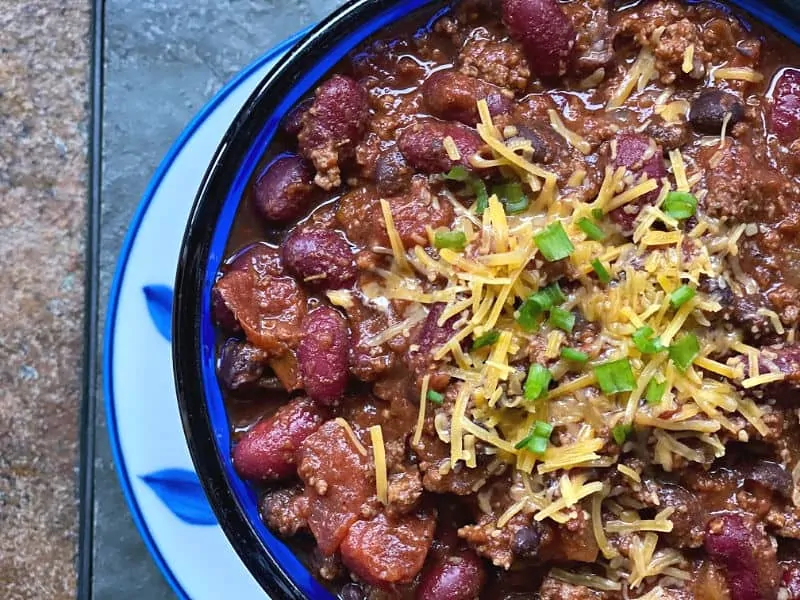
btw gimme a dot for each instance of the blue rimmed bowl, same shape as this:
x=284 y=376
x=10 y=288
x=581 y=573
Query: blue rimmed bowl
x=202 y=408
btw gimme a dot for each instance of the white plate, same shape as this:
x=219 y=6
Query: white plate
x=155 y=471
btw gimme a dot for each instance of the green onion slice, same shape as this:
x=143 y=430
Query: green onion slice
x=602 y=273
x=487 y=339
x=643 y=339
x=455 y=240
x=457 y=173
x=435 y=397
x=621 y=432
x=680 y=205
x=684 y=351
x=655 y=391
x=574 y=355
x=590 y=228
x=542 y=429
x=615 y=376
x=562 y=319
x=537 y=382
x=481 y=195
x=681 y=296
x=512 y=197
x=538 y=303
x=553 y=242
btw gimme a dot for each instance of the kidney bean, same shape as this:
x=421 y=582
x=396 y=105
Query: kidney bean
x=384 y=551
x=784 y=119
x=267 y=451
x=791 y=579
x=262 y=259
x=460 y=576
x=352 y=591
x=544 y=31
x=322 y=354
x=333 y=126
x=709 y=109
x=453 y=96
x=293 y=121
x=545 y=142
x=221 y=314
x=320 y=258
x=241 y=365
x=423 y=148
x=738 y=544
x=431 y=336
x=283 y=190
x=392 y=173
x=640 y=155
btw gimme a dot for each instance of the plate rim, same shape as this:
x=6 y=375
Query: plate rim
x=112 y=305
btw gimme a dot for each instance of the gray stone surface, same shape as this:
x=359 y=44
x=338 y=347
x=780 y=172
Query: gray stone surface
x=164 y=60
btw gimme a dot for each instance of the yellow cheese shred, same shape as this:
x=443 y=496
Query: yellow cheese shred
x=394 y=238
x=379 y=452
x=572 y=138
x=352 y=435
x=423 y=401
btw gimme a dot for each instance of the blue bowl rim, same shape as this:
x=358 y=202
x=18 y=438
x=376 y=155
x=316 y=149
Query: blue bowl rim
x=201 y=241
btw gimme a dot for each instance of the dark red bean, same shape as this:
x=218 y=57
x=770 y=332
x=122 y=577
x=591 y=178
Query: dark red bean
x=453 y=96
x=283 y=190
x=322 y=354
x=545 y=142
x=639 y=154
x=791 y=580
x=544 y=31
x=332 y=127
x=320 y=258
x=431 y=336
x=785 y=115
x=267 y=451
x=392 y=173
x=738 y=544
x=708 y=111
x=293 y=122
x=242 y=365
x=423 y=148
x=768 y=474
x=460 y=576
x=222 y=315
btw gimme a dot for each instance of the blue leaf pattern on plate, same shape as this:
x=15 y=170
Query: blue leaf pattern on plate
x=181 y=492
x=159 y=303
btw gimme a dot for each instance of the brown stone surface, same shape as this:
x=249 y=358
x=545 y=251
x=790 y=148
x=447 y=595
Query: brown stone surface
x=44 y=64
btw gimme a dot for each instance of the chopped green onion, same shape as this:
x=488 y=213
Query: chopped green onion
x=680 y=205
x=621 y=432
x=574 y=355
x=481 y=195
x=457 y=173
x=542 y=429
x=592 y=231
x=597 y=213
x=655 y=391
x=435 y=397
x=684 y=351
x=644 y=341
x=455 y=240
x=538 y=303
x=681 y=296
x=553 y=294
x=510 y=194
x=534 y=444
x=602 y=273
x=615 y=376
x=487 y=339
x=528 y=314
x=562 y=319
x=553 y=242
x=537 y=382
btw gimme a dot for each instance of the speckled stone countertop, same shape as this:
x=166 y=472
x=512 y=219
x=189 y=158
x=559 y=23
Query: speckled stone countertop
x=44 y=65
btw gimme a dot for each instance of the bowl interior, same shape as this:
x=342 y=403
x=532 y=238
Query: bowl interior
x=202 y=406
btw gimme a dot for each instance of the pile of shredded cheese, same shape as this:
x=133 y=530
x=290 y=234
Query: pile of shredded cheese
x=482 y=287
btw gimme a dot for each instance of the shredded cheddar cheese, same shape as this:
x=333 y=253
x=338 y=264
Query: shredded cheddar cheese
x=379 y=453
